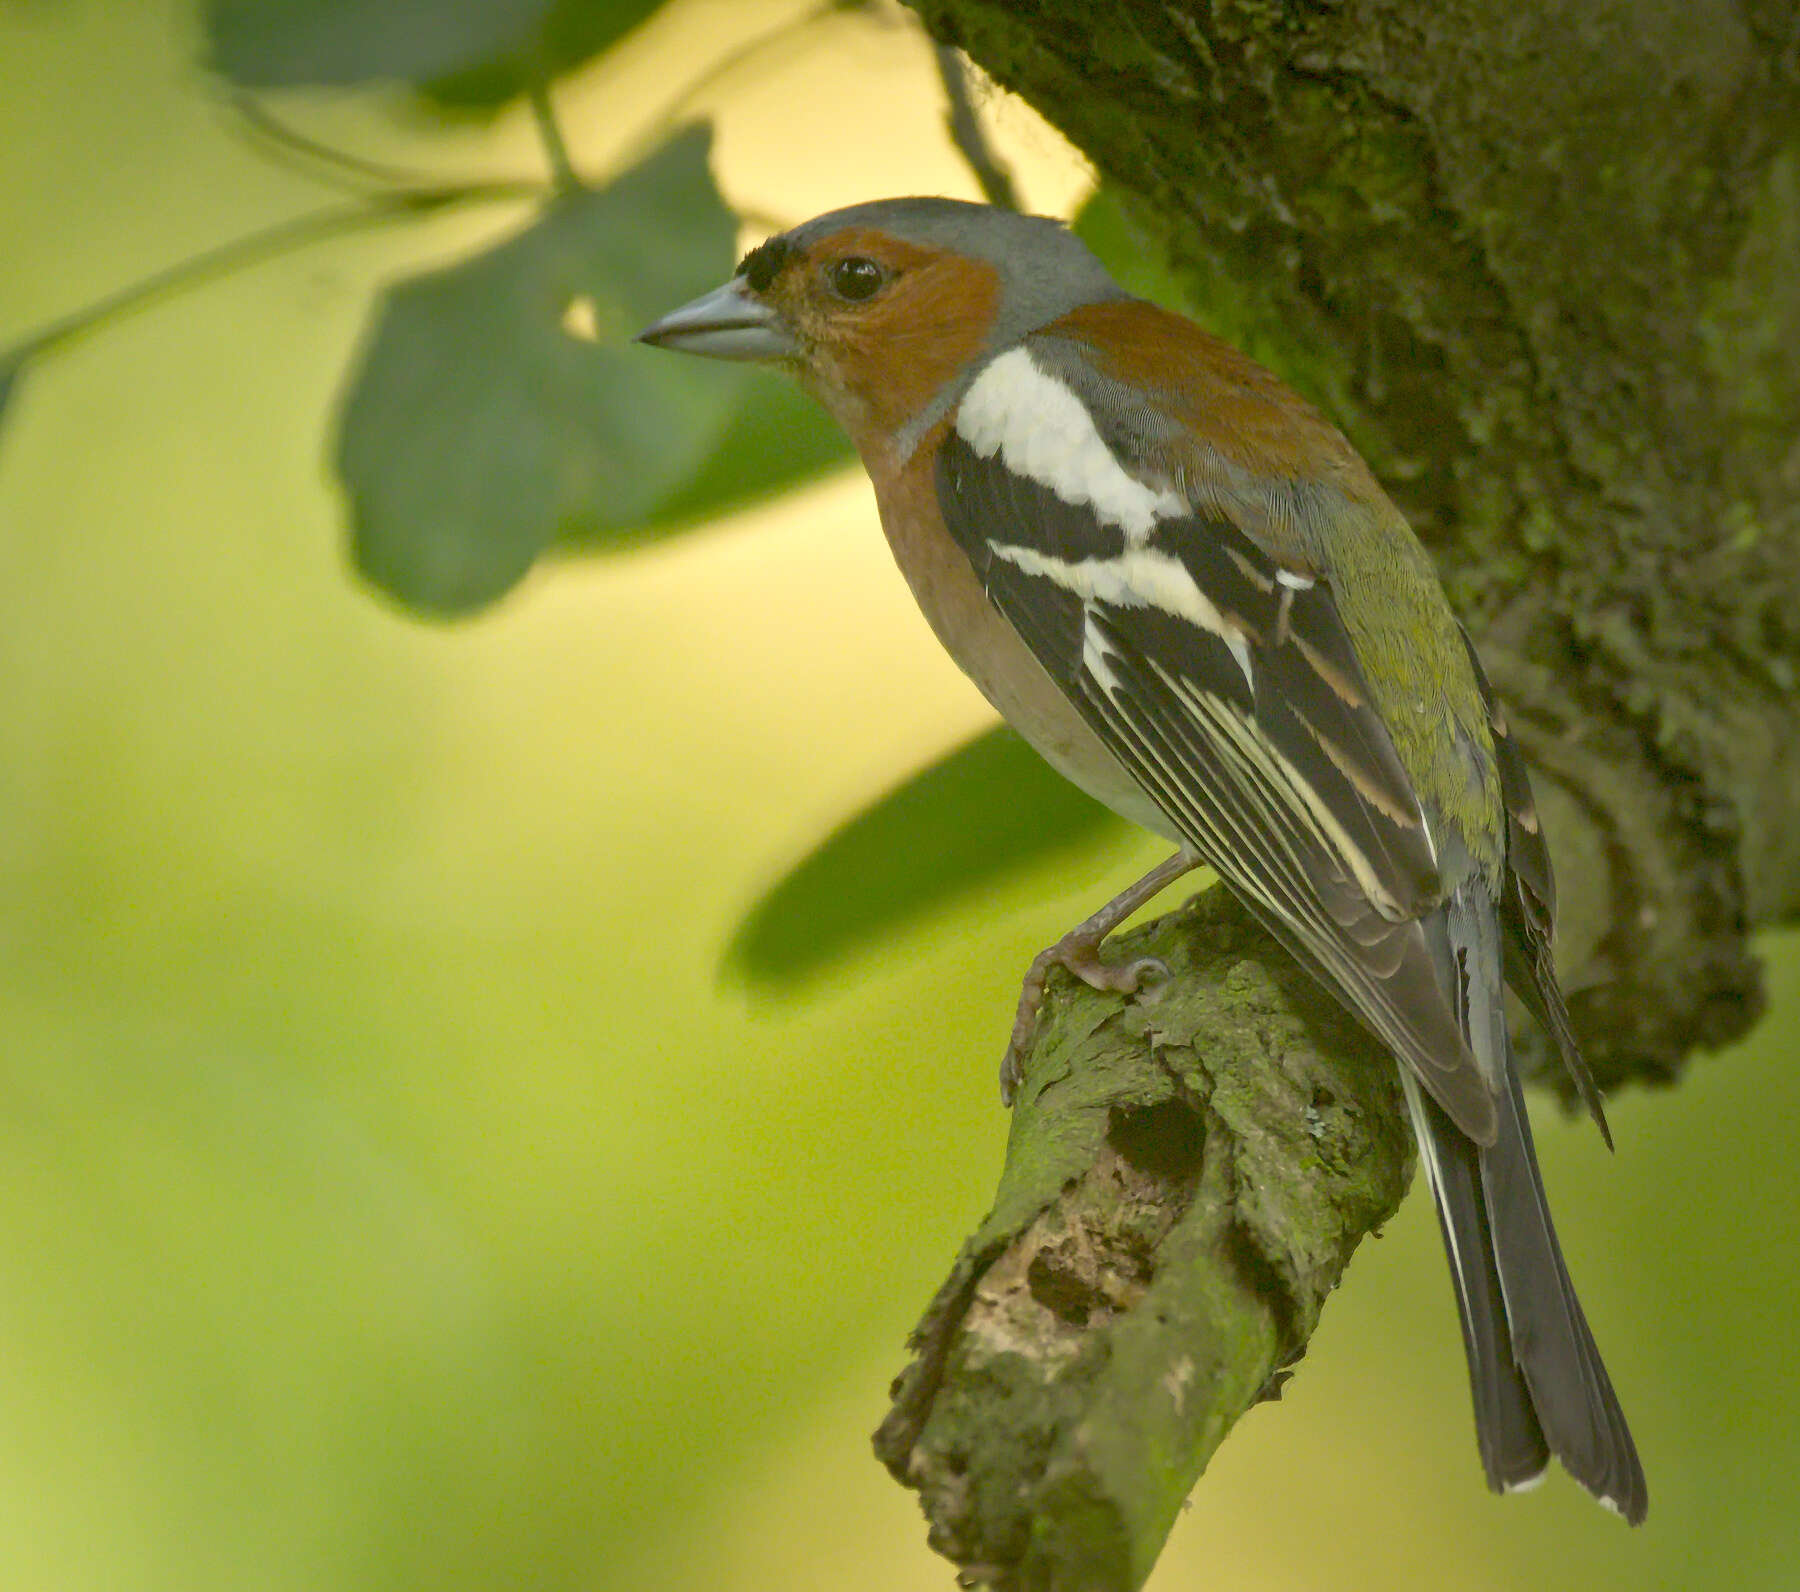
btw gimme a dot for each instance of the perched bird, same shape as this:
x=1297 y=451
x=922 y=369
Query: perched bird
x=1182 y=586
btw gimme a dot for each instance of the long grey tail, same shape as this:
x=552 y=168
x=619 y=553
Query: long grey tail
x=1538 y=1382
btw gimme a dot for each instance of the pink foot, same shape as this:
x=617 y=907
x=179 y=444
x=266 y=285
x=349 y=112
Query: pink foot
x=1080 y=954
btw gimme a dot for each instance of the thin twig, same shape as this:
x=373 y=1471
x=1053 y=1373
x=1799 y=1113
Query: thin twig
x=965 y=131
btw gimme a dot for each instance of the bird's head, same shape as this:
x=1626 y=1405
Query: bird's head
x=884 y=310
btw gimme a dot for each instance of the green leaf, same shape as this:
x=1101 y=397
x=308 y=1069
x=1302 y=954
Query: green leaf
x=989 y=808
x=478 y=428
x=286 y=43
x=467 y=53
x=776 y=437
x=572 y=33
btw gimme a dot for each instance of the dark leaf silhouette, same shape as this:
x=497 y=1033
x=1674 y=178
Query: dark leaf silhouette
x=987 y=809
x=466 y=53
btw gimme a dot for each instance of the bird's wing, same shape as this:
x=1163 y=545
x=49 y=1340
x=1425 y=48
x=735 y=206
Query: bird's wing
x=1227 y=686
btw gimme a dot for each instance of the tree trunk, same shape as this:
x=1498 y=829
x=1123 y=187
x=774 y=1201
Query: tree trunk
x=1542 y=263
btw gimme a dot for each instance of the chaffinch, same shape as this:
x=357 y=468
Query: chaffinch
x=1182 y=586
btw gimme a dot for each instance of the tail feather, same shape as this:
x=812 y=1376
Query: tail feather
x=1551 y=1340
x=1514 y=1452
x=1538 y=1382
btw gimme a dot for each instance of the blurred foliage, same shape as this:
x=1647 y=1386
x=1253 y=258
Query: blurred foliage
x=989 y=809
x=776 y=437
x=500 y=407
x=475 y=54
x=479 y=425
x=340 y=43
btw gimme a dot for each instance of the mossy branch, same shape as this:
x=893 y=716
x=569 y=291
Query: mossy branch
x=1186 y=1179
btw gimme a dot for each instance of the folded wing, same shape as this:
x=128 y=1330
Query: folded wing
x=1229 y=688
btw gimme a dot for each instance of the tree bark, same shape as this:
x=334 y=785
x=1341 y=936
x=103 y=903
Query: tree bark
x=1542 y=263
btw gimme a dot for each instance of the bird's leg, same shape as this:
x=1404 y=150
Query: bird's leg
x=1079 y=952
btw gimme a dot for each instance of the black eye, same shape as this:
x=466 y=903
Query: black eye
x=855 y=278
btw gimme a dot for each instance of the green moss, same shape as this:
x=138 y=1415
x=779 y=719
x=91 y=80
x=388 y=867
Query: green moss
x=1750 y=320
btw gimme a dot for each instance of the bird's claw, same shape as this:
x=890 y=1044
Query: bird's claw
x=1082 y=958
x=1126 y=980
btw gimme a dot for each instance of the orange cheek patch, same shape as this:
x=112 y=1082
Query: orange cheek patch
x=898 y=351
x=929 y=328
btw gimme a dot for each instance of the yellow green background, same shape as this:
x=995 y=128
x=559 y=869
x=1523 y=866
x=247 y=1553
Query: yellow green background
x=392 y=1194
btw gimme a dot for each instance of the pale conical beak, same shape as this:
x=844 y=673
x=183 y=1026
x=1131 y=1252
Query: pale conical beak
x=726 y=323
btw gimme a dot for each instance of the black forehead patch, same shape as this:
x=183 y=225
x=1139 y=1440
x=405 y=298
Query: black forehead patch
x=765 y=262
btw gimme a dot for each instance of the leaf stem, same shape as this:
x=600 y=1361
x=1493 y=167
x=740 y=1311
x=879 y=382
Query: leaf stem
x=543 y=113
x=238 y=253
x=253 y=120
